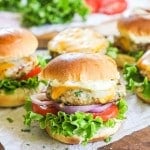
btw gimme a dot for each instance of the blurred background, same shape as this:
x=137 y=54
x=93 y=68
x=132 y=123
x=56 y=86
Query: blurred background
x=45 y=18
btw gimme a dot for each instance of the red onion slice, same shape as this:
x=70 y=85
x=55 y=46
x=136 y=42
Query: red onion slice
x=41 y=99
x=85 y=108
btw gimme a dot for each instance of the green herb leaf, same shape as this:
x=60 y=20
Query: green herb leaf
x=78 y=93
x=10 y=120
x=108 y=139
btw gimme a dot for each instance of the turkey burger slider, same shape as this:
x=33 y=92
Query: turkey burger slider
x=84 y=100
x=138 y=77
x=18 y=66
x=134 y=38
x=77 y=40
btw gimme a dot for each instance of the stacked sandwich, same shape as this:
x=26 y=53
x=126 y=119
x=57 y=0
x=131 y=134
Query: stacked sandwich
x=18 y=66
x=77 y=40
x=83 y=101
x=134 y=38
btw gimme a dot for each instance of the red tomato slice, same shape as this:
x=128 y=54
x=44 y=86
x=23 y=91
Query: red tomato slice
x=107 y=6
x=112 y=6
x=43 y=109
x=110 y=112
x=35 y=71
x=93 y=4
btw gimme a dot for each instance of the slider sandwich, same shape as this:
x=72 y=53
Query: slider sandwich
x=134 y=38
x=138 y=77
x=77 y=40
x=18 y=66
x=84 y=101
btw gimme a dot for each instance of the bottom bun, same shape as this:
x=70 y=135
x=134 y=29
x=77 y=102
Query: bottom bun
x=101 y=134
x=142 y=97
x=17 y=98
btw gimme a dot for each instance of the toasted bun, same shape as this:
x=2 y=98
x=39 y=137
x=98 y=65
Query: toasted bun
x=142 y=97
x=100 y=135
x=78 y=40
x=14 y=99
x=144 y=64
x=81 y=67
x=16 y=43
x=136 y=28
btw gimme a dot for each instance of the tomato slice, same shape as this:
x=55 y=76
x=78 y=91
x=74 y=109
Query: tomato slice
x=108 y=7
x=35 y=71
x=112 y=6
x=110 y=112
x=93 y=4
x=43 y=109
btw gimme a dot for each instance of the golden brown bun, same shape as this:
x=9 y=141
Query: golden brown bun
x=102 y=134
x=142 y=97
x=16 y=43
x=144 y=64
x=15 y=99
x=78 y=40
x=81 y=67
x=136 y=28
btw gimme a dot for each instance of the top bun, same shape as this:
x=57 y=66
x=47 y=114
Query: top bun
x=78 y=40
x=137 y=28
x=81 y=67
x=16 y=43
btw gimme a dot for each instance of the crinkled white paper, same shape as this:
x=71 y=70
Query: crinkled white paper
x=13 y=138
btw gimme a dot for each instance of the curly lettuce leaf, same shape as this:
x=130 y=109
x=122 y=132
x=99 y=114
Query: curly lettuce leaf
x=135 y=80
x=10 y=85
x=39 y=12
x=79 y=123
x=53 y=12
x=136 y=54
x=112 y=51
x=42 y=62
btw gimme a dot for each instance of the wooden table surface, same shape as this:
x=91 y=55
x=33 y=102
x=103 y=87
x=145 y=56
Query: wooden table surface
x=139 y=140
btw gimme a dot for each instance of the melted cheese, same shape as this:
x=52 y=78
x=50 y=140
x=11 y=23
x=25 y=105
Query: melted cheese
x=57 y=91
x=4 y=66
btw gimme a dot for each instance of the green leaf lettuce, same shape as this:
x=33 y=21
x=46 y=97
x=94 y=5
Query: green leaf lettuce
x=135 y=80
x=79 y=123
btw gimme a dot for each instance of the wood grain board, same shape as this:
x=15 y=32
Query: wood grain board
x=139 y=140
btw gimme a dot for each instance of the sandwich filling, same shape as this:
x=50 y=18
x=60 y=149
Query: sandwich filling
x=75 y=111
x=19 y=73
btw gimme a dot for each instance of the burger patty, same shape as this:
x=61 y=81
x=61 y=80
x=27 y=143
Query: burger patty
x=87 y=97
x=127 y=45
x=16 y=68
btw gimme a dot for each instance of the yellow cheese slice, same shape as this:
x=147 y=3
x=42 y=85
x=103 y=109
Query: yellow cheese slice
x=57 y=91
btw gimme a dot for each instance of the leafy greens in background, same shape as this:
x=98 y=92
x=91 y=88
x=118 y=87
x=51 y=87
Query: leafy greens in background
x=39 y=12
x=11 y=5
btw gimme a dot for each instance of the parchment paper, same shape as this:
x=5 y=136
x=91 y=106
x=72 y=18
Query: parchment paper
x=11 y=136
